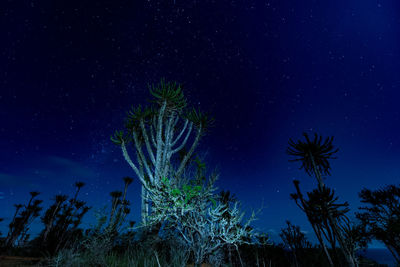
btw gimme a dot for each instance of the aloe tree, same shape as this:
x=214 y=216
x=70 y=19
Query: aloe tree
x=157 y=134
x=21 y=221
x=1 y=219
x=381 y=216
x=295 y=240
x=61 y=221
x=314 y=156
x=304 y=205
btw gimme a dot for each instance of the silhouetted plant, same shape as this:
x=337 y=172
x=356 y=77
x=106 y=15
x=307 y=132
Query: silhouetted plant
x=61 y=221
x=21 y=221
x=355 y=235
x=382 y=216
x=296 y=241
x=120 y=207
x=314 y=156
x=1 y=219
x=104 y=236
x=303 y=204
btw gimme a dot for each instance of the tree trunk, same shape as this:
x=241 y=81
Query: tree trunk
x=314 y=226
x=350 y=260
x=395 y=256
x=321 y=241
x=144 y=205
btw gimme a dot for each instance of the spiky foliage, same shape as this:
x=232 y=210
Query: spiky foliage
x=170 y=93
x=34 y=194
x=303 y=204
x=295 y=240
x=329 y=215
x=62 y=220
x=19 y=226
x=314 y=156
x=118 y=137
x=355 y=236
x=101 y=239
x=313 y=153
x=193 y=211
x=200 y=119
x=159 y=134
x=79 y=185
x=323 y=203
x=116 y=194
x=1 y=219
x=382 y=216
x=127 y=180
x=119 y=209
x=329 y=219
x=134 y=118
x=293 y=237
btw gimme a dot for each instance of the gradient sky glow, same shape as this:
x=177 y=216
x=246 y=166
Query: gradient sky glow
x=266 y=70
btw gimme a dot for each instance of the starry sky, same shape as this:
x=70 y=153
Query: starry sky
x=266 y=70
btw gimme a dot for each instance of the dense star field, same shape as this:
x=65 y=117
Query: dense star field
x=267 y=71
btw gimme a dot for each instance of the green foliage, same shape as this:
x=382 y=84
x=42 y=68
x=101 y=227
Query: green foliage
x=184 y=195
x=175 y=192
x=213 y=201
x=134 y=117
x=118 y=137
x=170 y=93
x=200 y=119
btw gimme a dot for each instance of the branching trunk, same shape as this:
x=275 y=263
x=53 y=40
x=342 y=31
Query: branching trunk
x=160 y=147
x=316 y=228
x=333 y=221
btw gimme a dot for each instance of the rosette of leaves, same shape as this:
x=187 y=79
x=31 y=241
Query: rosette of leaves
x=170 y=93
x=118 y=137
x=137 y=115
x=200 y=119
x=322 y=204
x=134 y=117
x=313 y=154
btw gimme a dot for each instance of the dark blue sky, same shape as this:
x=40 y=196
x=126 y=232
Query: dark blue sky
x=266 y=70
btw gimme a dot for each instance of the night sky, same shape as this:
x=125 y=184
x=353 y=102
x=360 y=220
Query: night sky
x=266 y=70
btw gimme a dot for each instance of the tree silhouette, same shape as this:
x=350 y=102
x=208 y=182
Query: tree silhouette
x=21 y=221
x=314 y=156
x=1 y=219
x=61 y=221
x=295 y=240
x=106 y=235
x=308 y=209
x=382 y=216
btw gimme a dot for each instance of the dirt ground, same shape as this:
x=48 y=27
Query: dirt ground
x=17 y=261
